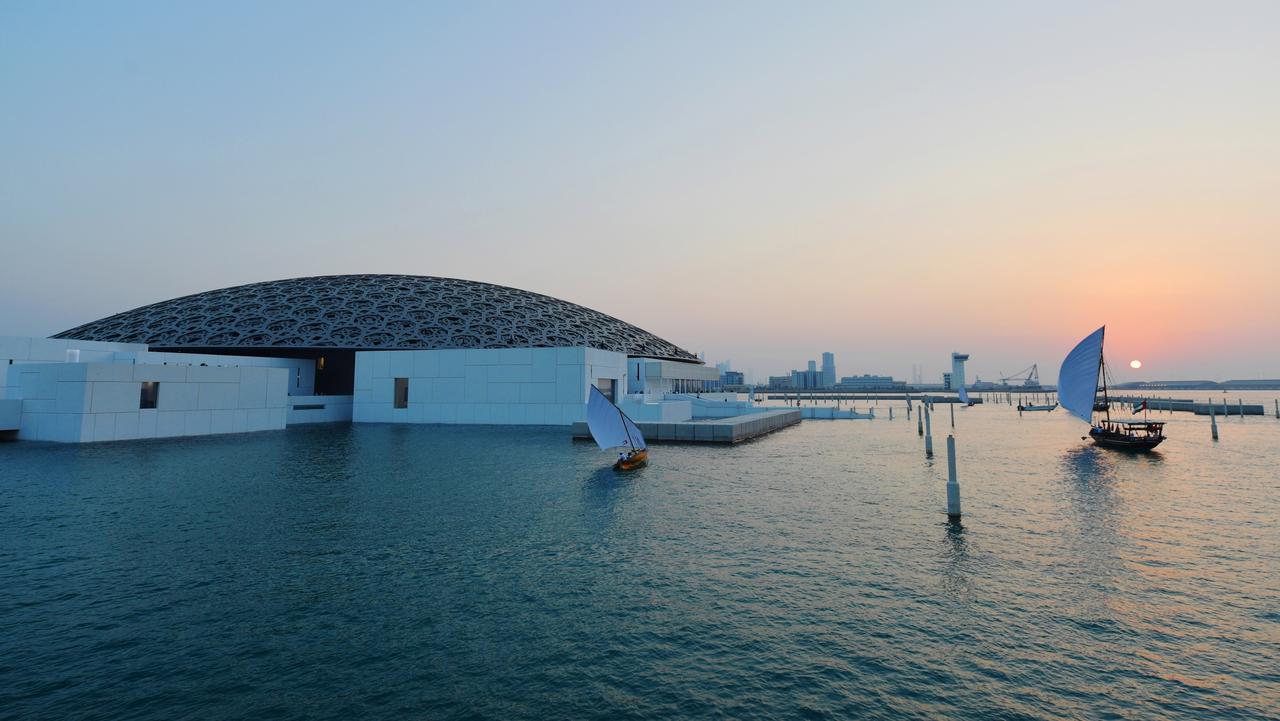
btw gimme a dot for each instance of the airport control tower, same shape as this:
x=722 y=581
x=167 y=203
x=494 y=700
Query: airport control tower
x=957 y=370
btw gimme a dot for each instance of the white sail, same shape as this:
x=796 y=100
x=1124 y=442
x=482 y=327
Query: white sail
x=1078 y=377
x=964 y=396
x=609 y=426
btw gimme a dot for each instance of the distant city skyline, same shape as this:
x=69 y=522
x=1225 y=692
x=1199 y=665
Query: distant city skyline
x=887 y=183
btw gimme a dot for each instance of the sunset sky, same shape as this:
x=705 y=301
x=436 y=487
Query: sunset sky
x=759 y=182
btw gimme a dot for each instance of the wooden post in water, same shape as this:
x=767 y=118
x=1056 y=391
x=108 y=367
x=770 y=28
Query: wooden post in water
x=928 y=434
x=920 y=423
x=1213 y=419
x=890 y=412
x=1278 y=408
x=1240 y=405
x=953 y=486
x=953 y=415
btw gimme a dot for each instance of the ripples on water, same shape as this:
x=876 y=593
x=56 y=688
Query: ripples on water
x=434 y=572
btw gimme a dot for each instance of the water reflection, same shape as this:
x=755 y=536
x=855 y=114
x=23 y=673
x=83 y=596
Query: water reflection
x=602 y=493
x=956 y=562
x=1093 y=537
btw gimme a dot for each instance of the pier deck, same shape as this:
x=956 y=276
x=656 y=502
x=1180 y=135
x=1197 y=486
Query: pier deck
x=734 y=429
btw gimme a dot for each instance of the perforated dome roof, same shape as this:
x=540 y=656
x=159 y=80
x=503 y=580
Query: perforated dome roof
x=373 y=312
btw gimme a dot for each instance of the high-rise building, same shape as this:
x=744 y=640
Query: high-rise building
x=957 y=370
x=828 y=370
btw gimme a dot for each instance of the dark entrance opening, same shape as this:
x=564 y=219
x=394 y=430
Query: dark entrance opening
x=335 y=376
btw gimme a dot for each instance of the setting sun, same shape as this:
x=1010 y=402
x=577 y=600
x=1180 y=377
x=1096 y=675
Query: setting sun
x=1135 y=364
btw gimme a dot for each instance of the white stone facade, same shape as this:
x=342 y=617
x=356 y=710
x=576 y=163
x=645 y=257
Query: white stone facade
x=520 y=386
x=76 y=391
x=82 y=402
x=318 y=409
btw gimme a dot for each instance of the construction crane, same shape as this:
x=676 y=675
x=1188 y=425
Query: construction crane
x=1028 y=376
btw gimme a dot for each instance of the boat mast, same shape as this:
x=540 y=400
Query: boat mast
x=623 y=416
x=1102 y=370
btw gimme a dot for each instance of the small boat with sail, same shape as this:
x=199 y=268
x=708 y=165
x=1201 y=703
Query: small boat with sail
x=964 y=397
x=611 y=428
x=1083 y=372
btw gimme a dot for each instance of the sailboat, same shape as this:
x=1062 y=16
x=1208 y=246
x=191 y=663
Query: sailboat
x=611 y=428
x=964 y=396
x=1083 y=371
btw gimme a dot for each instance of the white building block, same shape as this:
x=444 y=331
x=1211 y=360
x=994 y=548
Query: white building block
x=277 y=387
x=176 y=397
x=510 y=373
x=475 y=388
x=160 y=373
x=214 y=374
x=127 y=426
x=400 y=364
x=381 y=363
x=543 y=362
x=147 y=423
x=218 y=396
x=452 y=363
x=114 y=397
x=108 y=372
x=72 y=397
x=571 y=356
x=73 y=372
x=448 y=390
x=364 y=373
x=571 y=384
x=171 y=423
x=503 y=393
x=199 y=423
x=257 y=419
x=426 y=364
x=104 y=426
x=537 y=392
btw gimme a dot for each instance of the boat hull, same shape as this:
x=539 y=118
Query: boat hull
x=632 y=462
x=1037 y=408
x=1124 y=441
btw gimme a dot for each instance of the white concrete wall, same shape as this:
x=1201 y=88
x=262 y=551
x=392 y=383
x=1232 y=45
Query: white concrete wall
x=657 y=377
x=334 y=409
x=16 y=350
x=641 y=410
x=81 y=402
x=302 y=371
x=540 y=386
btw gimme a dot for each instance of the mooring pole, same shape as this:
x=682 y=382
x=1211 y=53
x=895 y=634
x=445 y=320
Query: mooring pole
x=920 y=423
x=890 y=412
x=953 y=486
x=1213 y=419
x=1240 y=405
x=928 y=434
x=953 y=415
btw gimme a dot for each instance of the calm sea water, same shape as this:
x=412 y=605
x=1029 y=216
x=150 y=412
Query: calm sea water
x=433 y=572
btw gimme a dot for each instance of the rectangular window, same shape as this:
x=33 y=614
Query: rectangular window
x=606 y=388
x=402 y=393
x=150 y=394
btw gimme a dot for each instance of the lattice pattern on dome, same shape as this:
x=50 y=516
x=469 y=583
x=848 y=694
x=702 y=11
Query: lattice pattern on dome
x=373 y=311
